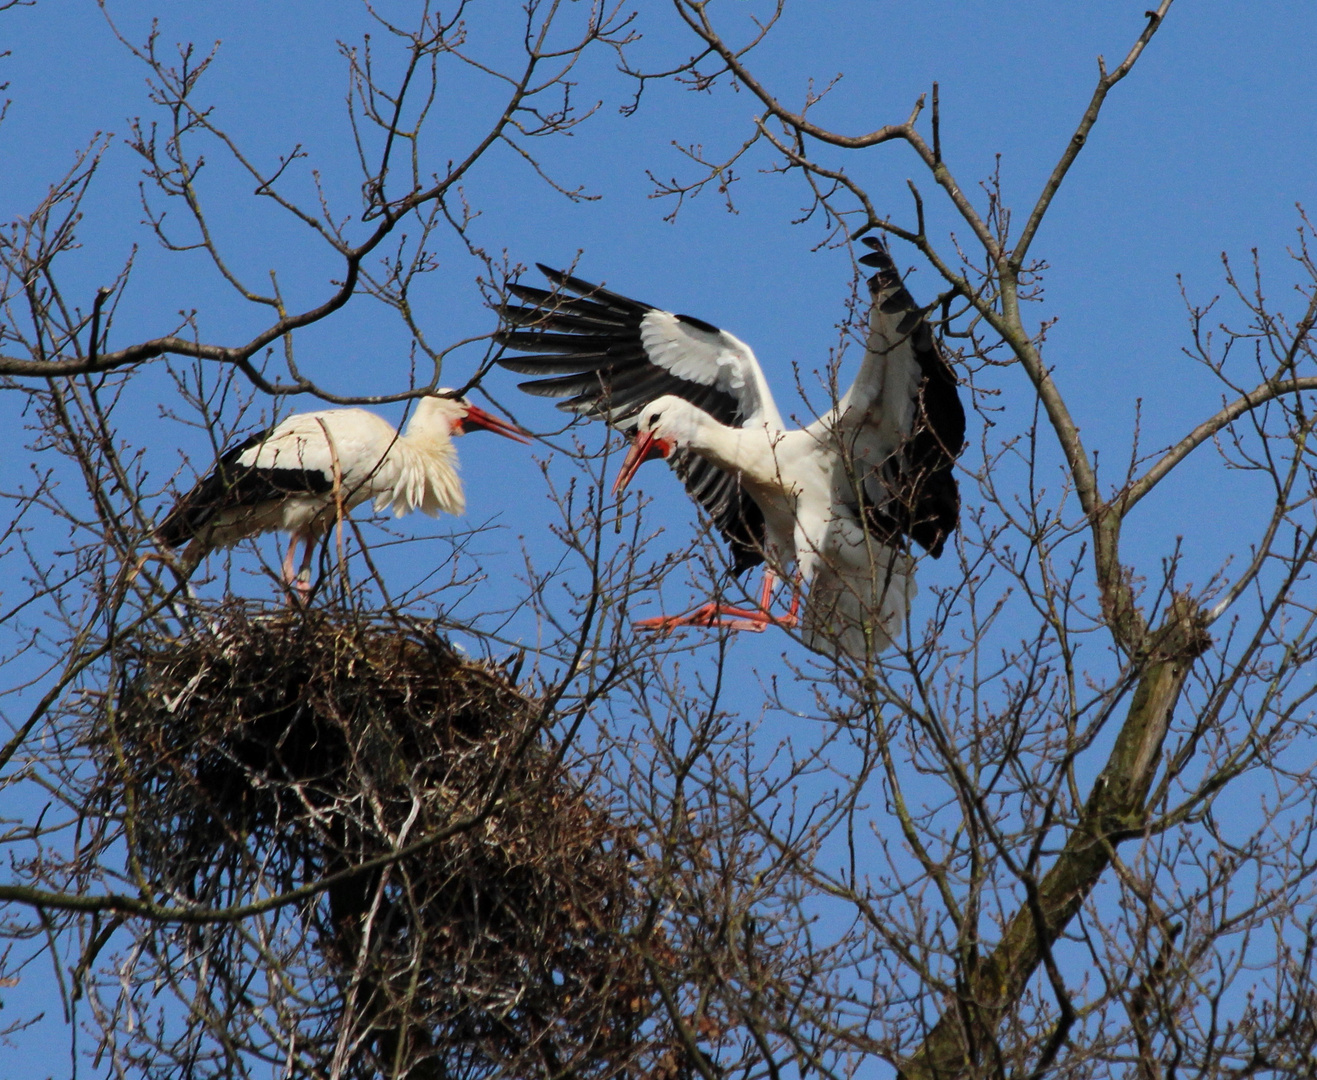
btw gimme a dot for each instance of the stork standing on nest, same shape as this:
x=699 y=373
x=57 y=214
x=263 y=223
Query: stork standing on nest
x=313 y=468
x=841 y=498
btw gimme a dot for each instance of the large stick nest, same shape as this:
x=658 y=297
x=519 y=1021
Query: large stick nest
x=495 y=928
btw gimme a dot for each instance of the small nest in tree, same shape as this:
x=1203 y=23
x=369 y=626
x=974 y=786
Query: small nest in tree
x=492 y=929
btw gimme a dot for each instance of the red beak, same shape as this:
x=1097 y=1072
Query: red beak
x=646 y=447
x=478 y=418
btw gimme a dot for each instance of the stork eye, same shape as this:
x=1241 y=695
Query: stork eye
x=654 y=418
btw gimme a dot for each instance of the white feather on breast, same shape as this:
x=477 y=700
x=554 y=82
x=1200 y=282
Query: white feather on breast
x=859 y=594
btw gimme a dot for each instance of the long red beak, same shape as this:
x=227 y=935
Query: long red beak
x=645 y=447
x=478 y=418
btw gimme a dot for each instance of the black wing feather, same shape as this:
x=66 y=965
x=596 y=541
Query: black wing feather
x=231 y=486
x=584 y=342
x=925 y=503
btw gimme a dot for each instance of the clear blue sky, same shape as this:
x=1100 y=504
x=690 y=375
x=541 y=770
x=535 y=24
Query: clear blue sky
x=1205 y=149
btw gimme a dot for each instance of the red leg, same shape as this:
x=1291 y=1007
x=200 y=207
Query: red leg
x=710 y=615
x=300 y=582
x=289 y=576
x=793 y=615
x=728 y=616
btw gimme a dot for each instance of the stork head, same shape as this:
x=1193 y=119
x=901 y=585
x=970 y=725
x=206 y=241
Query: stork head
x=665 y=425
x=457 y=416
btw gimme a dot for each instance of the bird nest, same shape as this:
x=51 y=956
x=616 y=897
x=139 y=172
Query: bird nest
x=463 y=904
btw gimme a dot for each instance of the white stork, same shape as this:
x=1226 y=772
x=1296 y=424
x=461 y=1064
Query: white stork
x=302 y=474
x=840 y=498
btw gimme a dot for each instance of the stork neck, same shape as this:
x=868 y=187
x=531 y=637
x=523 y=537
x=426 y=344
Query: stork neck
x=431 y=418
x=425 y=451
x=752 y=452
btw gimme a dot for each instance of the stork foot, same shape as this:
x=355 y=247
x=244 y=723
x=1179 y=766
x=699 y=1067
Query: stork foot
x=299 y=590
x=713 y=615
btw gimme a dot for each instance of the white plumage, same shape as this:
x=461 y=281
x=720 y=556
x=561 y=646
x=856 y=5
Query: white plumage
x=860 y=584
x=299 y=476
x=839 y=499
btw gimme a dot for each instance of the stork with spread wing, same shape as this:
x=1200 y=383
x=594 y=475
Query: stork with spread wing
x=841 y=499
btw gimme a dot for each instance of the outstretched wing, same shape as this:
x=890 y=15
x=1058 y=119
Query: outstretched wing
x=901 y=424
x=610 y=356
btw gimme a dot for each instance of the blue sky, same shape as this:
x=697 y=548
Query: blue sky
x=1206 y=148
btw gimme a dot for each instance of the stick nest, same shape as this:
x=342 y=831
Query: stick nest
x=494 y=927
